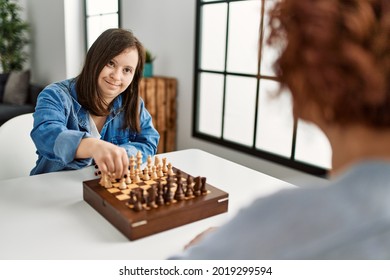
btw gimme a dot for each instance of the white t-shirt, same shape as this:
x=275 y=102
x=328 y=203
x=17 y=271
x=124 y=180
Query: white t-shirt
x=94 y=131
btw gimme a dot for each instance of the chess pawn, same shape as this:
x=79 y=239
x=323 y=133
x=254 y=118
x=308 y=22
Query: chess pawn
x=189 y=190
x=122 y=184
x=160 y=172
x=170 y=170
x=197 y=191
x=138 y=206
x=152 y=197
x=178 y=176
x=107 y=183
x=168 y=194
x=133 y=198
x=156 y=161
x=160 y=194
x=146 y=174
x=154 y=173
x=164 y=165
x=179 y=194
x=127 y=178
x=136 y=177
x=203 y=189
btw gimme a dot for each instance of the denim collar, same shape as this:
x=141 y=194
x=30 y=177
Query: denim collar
x=82 y=113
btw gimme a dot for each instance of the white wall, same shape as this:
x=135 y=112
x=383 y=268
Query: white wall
x=166 y=27
x=57 y=46
x=74 y=37
x=48 y=55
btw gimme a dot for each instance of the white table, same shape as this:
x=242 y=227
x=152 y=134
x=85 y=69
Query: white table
x=45 y=217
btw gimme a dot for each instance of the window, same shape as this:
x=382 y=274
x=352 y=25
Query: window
x=234 y=92
x=99 y=16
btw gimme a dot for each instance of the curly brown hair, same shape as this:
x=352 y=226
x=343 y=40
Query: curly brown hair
x=336 y=54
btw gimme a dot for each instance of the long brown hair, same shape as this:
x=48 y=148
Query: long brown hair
x=109 y=44
x=337 y=55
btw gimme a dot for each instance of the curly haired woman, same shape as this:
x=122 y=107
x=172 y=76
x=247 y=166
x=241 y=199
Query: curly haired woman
x=335 y=59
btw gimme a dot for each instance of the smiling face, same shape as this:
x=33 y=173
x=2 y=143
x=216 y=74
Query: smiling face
x=117 y=74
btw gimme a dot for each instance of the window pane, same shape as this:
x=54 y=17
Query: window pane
x=312 y=145
x=97 y=24
x=97 y=7
x=268 y=54
x=243 y=43
x=213 y=37
x=275 y=122
x=211 y=99
x=240 y=109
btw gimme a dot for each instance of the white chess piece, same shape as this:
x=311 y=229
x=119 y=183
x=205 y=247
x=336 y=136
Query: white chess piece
x=154 y=173
x=122 y=184
x=146 y=174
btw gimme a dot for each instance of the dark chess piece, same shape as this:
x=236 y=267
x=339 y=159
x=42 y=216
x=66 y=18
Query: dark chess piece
x=168 y=194
x=179 y=194
x=160 y=194
x=138 y=201
x=189 y=190
x=203 y=189
x=138 y=206
x=152 y=197
x=178 y=176
x=133 y=198
x=197 y=191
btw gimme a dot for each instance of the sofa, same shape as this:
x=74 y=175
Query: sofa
x=17 y=95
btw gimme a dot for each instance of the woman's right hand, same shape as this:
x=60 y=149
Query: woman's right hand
x=109 y=157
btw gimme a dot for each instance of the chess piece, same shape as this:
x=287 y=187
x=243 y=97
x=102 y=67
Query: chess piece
x=189 y=190
x=146 y=174
x=122 y=184
x=127 y=178
x=102 y=180
x=138 y=200
x=178 y=176
x=197 y=185
x=179 y=194
x=203 y=189
x=139 y=160
x=133 y=198
x=152 y=197
x=164 y=165
x=107 y=182
x=149 y=163
x=112 y=178
x=154 y=173
x=160 y=172
x=132 y=167
x=168 y=194
x=156 y=161
x=138 y=206
x=170 y=170
x=136 y=177
x=160 y=194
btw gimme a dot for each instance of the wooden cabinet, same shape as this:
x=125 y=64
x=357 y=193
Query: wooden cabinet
x=159 y=95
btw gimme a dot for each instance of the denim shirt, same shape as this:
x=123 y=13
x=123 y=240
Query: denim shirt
x=60 y=123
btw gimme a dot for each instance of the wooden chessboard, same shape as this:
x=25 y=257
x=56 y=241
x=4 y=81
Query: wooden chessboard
x=114 y=205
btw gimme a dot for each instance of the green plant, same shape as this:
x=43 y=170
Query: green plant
x=149 y=57
x=13 y=37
